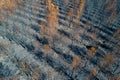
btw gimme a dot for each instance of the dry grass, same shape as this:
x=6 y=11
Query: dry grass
x=47 y=48
x=115 y=78
x=36 y=74
x=77 y=3
x=10 y=78
x=23 y=66
x=3 y=46
x=93 y=35
x=66 y=1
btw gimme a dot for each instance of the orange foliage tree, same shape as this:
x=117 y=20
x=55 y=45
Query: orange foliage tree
x=52 y=18
x=76 y=61
x=79 y=13
x=109 y=59
x=70 y=13
x=8 y=5
x=91 y=51
x=93 y=72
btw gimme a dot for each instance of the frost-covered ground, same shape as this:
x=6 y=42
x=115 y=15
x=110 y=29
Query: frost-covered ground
x=86 y=51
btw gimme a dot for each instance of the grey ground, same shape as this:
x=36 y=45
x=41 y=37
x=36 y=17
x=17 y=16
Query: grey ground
x=22 y=54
